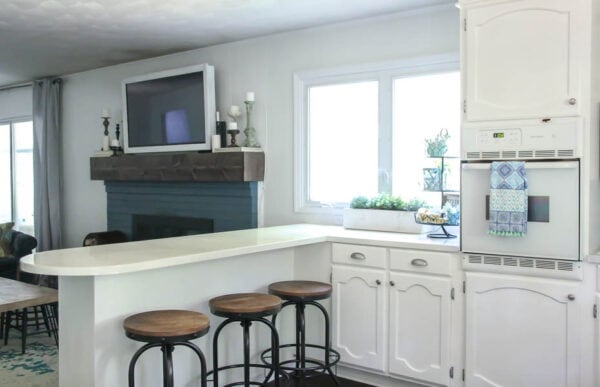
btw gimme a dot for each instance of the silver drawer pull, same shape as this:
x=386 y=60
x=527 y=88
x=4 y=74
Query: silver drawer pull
x=359 y=256
x=419 y=262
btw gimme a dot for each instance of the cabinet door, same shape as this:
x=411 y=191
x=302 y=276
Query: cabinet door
x=523 y=59
x=359 y=316
x=521 y=331
x=420 y=319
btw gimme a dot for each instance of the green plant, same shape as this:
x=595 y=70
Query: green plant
x=360 y=202
x=385 y=201
x=415 y=204
x=437 y=146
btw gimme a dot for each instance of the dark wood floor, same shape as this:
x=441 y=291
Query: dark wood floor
x=320 y=381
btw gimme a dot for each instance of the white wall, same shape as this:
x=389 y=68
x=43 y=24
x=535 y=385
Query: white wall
x=15 y=103
x=264 y=65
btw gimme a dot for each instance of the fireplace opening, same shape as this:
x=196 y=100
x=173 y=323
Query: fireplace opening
x=146 y=227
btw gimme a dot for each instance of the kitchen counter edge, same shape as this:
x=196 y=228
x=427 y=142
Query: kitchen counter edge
x=161 y=253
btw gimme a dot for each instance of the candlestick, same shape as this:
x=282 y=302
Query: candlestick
x=105 y=140
x=249 y=131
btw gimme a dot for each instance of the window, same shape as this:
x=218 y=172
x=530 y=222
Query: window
x=362 y=131
x=16 y=173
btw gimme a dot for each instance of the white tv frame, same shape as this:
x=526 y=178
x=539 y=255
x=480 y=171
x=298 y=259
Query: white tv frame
x=209 y=109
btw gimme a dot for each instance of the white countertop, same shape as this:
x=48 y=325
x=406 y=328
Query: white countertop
x=155 y=254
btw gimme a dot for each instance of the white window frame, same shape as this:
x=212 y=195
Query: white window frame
x=385 y=73
x=13 y=196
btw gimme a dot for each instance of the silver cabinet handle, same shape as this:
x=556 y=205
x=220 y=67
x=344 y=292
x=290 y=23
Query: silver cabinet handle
x=392 y=283
x=378 y=282
x=419 y=262
x=571 y=297
x=572 y=101
x=359 y=256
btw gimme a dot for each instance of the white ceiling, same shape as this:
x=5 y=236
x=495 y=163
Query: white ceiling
x=52 y=37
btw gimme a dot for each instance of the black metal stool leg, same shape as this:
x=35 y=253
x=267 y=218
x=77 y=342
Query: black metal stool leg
x=246 y=325
x=215 y=370
x=134 y=360
x=274 y=350
x=167 y=350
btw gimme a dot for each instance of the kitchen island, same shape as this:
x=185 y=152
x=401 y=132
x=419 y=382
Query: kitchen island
x=101 y=285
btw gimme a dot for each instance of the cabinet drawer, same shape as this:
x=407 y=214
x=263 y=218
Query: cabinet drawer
x=418 y=261
x=359 y=255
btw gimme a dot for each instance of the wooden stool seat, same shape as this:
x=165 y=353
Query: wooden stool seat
x=164 y=324
x=245 y=305
x=301 y=290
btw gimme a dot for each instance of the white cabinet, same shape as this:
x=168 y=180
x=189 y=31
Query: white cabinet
x=420 y=317
x=522 y=331
x=359 y=316
x=394 y=316
x=522 y=59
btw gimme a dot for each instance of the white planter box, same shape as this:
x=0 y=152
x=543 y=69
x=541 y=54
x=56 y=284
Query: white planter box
x=383 y=220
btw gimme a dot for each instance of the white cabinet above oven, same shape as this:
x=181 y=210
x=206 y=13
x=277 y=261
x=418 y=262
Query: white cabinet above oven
x=522 y=59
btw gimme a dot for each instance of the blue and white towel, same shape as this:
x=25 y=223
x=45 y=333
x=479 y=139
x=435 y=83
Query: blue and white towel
x=508 y=199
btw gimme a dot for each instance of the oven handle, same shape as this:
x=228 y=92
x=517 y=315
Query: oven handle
x=528 y=165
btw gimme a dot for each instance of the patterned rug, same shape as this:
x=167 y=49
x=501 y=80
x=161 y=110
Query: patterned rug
x=38 y=367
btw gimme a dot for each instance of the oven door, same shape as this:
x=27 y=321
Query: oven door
x=553 y=212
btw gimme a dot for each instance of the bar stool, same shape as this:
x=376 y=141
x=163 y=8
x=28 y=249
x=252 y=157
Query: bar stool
x=301 y=294
x=166 y=329
x=245 y=308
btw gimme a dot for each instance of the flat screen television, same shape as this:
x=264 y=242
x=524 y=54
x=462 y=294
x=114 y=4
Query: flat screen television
x=169 y=111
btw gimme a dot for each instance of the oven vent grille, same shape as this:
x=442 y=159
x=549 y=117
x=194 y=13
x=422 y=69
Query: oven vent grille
x=565 y=153
x=526 y=262
x=492 y=260
x=524 y=154
x=490 y=155
x=545 y=153
x=564 y=266
x=474 y=258
x=545 y=264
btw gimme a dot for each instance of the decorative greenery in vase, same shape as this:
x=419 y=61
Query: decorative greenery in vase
x=437 y=146
x=385 y=201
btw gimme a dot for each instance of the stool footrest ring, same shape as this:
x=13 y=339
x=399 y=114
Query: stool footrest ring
x=334 y=358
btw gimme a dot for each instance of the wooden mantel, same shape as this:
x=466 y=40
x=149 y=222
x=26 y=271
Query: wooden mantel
x=185 y=166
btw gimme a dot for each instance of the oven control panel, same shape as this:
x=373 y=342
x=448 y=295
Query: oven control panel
x=500 y=139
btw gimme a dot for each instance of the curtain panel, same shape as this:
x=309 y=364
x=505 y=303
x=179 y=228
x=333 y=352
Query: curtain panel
x=47 y=163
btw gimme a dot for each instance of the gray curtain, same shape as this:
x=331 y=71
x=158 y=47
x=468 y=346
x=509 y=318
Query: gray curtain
x=47 y=163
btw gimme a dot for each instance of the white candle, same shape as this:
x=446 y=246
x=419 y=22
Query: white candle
x=105 y=112
x=250 y=96
x=216 y=141
x=105 y=142
x=218 y=116
x=231 y=125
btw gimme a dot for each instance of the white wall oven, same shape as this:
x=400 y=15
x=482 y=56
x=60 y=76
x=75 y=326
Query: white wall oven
x=553 y=181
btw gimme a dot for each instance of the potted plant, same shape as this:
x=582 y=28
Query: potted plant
x=383 y=212
x=437 y=146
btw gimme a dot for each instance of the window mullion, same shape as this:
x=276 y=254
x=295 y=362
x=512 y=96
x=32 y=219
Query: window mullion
x=13 y=196
x=385 y=133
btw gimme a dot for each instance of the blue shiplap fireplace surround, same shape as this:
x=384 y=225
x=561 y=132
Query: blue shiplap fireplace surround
x=231 y=205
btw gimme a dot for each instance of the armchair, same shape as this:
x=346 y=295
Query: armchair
x=21 y=244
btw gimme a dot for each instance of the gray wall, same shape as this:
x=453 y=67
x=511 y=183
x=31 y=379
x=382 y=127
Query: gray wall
x=264 y=65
